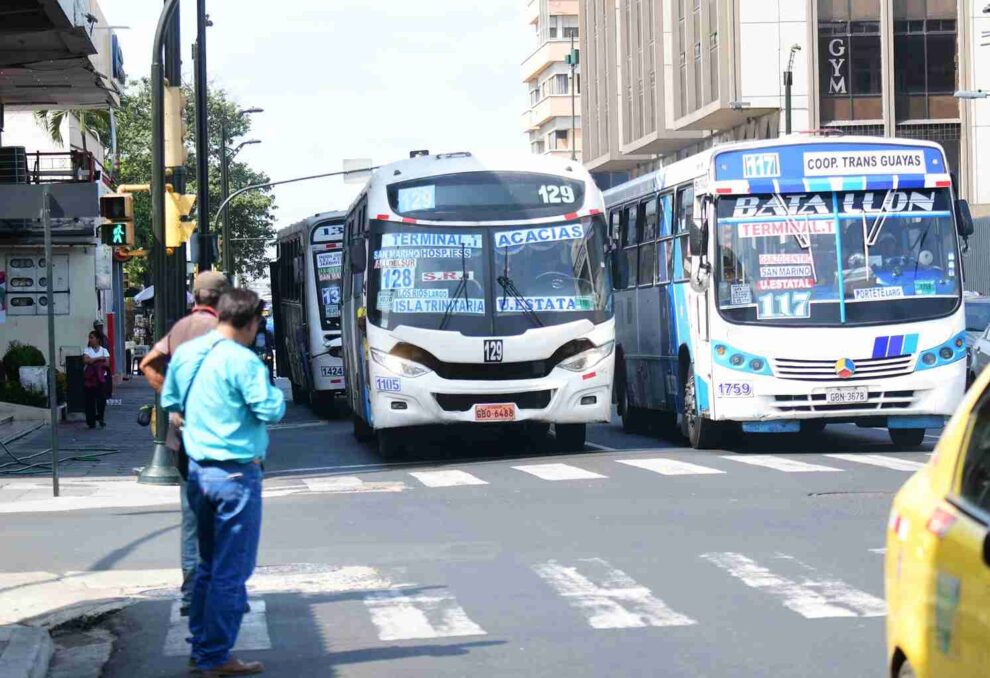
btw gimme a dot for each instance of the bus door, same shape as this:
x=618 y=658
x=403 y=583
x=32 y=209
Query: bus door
x=649 y=372
x=626 y=279
x=666 y=329
x=351 y=320
x=273 y=277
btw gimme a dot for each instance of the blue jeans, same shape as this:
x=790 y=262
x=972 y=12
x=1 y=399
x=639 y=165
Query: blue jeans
x=226 y=498
x=189 y=546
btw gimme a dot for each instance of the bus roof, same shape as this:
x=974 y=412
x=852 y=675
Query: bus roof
x=422 y=166
x=306 y=225
x=800 y=163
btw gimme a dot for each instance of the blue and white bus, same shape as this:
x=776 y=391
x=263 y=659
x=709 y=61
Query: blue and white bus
x=786 y=284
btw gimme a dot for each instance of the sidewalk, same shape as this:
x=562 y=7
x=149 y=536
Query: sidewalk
x=124 y=444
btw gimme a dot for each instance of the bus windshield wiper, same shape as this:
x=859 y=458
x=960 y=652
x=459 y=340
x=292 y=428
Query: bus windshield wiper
x=461 y=287
x=879 y=222
x=510 y=288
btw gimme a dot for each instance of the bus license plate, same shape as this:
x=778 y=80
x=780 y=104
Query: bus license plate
x=501 y=412
x=848 y=394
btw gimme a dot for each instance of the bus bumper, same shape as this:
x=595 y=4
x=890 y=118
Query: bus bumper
x=933 y=393
x=562 y=397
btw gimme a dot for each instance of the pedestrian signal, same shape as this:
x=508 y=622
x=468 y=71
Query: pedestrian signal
x=117 y=207
x=117 y=235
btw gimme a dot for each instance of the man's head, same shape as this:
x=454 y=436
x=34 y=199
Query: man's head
x=98 y=325
x=240 y=310
x=209 y=287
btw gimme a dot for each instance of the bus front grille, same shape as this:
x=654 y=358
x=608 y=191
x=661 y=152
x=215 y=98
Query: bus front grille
x=462 y=402
x=815 y=402
x=824 y=370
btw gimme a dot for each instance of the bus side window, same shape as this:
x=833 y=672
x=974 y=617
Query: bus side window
x=616 y=235
x=665 y=247
x=630 y=235
x=647 y=241
x=685 y=213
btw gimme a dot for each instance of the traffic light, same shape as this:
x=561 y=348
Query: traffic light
x=175 y=127
x=117 y=210
x=119 y=234
x=178 y=224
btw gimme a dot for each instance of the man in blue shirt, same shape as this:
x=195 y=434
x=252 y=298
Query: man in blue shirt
x=218 y=393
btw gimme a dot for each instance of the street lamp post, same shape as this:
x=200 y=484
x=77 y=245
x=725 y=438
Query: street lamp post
x=227 y=254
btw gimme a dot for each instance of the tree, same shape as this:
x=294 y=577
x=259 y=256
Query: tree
x=95 y=122
x=252 y=216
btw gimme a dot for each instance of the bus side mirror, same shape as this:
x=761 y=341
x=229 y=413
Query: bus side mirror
x=358 y=256
x=964 y=219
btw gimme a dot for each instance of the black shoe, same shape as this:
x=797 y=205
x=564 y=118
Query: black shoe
x=90 y=425
x=184 y=610
x=103 y=424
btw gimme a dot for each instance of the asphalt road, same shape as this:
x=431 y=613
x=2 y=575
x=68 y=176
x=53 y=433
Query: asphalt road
x=497 y=556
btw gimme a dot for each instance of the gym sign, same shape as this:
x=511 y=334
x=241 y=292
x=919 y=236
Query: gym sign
x=838 y=66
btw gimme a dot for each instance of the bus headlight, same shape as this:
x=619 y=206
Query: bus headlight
x=588 y=359
x=398 y=366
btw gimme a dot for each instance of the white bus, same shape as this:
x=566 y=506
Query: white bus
x=477 y=291
x=306 y=281
x=786 y=284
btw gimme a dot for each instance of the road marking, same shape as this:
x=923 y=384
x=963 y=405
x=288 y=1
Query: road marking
x=669 y=467
x=811 y=598
x=880 y=460
x=780 y=463
x=252 y=637
x=558 y=472
x=407 y=616
x=616 y=601
x=600 y=448
x=446 y=478
x=878 y=551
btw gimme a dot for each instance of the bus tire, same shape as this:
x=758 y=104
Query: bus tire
x=390 y=445
x=300 y=396
x=702 y=433
x=633 y=418
x=325 y=406
x=362 y=432
x=570 y=437
x=907 y=437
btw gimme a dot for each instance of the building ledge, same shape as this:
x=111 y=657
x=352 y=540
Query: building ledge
x=661 y=143
x=718 y=116
x=613 y=162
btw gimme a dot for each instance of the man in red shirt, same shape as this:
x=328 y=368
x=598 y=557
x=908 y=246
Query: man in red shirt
x=207 y=289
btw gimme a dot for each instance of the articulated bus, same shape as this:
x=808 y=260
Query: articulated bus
x=306 y=281
x=477 y=291
x=782 y=285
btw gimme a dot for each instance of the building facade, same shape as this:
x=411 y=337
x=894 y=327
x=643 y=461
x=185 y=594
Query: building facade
x=666 y=78
x=552 y=119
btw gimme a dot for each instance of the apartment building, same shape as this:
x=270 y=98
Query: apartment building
x=553 y=117
x=666 y=78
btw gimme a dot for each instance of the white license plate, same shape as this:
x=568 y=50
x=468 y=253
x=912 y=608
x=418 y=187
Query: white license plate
x=847 y=394
x=495 y=412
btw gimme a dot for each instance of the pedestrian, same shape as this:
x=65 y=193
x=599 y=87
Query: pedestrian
x=96 y=364
x=207 y=289
x=264 y=346
x=218 y=393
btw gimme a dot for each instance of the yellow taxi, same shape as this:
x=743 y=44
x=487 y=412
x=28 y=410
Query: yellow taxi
x=937 y=564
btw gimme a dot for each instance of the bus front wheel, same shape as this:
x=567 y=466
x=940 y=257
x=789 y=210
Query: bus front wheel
x=907 y=437
x=362 y=432
x=702 y=433
x=570 y=437
x=390 y=444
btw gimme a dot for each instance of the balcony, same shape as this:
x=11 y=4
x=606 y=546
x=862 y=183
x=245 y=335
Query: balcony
x=718 y=115
x=548 y=53
x=547 y=108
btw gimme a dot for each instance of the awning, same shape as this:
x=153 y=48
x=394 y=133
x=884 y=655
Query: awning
x=148 y=293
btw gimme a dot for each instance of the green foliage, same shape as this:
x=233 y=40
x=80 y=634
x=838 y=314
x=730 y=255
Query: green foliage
x=13 y=392
x=251 y=215
x=96 y=122
x=20 y=355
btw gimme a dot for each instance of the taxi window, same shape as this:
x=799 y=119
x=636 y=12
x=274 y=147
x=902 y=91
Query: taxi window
x=976 y=469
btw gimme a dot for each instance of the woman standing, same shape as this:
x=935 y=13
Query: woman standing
x=96 y=360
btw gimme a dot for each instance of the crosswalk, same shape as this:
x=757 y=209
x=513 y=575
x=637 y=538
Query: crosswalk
x=589 y=591
x=598 y=470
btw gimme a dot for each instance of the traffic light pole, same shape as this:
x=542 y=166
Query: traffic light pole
x=202 y=142
x=228 y=252
x=162 y=469
x=177 y=278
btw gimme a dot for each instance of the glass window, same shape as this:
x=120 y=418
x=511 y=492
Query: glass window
x=849 y=67
x=685 y=213
x=631 y=242
x=926 y=59
x=647 y=240
x=975 y=486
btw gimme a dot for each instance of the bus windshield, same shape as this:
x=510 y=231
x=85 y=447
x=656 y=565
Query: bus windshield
x=481 y=281
x=843 y=258
x=327 y=268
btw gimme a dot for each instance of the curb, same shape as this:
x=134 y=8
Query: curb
x=27 y=653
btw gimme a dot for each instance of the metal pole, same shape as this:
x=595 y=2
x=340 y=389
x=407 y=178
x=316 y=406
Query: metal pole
x=228 y=253
x=202 y=142
x=573 y=105
x=788 y=81
x=176 y=267
x=46 y=220
x=162 y=469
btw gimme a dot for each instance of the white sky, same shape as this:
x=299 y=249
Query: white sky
x=352 y=79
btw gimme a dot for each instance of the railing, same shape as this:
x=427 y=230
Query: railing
x=64 y=167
